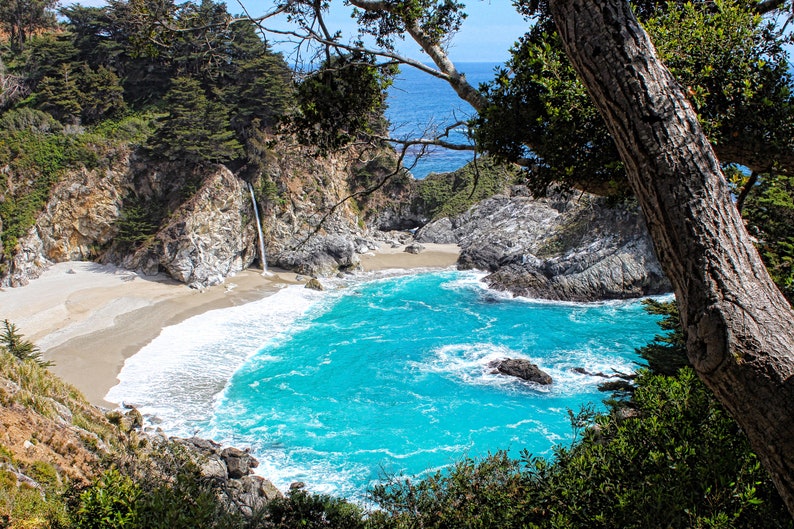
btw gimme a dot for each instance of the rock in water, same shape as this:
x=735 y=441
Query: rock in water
x=520 y=368
x=314 y=284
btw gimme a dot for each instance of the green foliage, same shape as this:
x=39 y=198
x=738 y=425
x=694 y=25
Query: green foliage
x=137 y=223
x=60 y=96
x=735 y=69
x=102 y=92
x=666 y=354
x=435 y=19
x=449 y=194
x=341 y=101
x=732 y=61
x=35 y=163
x=28 y=120
x=21 y=18
x=111 y=503
x=15 y=343
x=312 y=511
x=538 y=110
x=769 y=212
x=471 y=494
x=196 y=128
x=133 y=129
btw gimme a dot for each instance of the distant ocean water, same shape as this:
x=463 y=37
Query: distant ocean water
x=418 y=101
x=381 y=375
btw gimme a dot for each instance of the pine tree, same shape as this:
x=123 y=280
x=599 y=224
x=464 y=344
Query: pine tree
x=60 y=96
x=196 y=129
x=22 y=349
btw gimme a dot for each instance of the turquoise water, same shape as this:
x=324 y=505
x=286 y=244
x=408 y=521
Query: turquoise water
x=382 y=376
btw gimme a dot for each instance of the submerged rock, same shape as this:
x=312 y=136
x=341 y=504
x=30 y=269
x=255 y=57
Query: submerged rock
x=520 y=368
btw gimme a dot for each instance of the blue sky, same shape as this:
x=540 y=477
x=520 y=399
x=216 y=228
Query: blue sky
x=488 y=33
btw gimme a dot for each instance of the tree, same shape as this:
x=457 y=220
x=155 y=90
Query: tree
x=740 y=328
x=732 y=61
x=16 y=344
x=196 y=128
x=60 y=96
x=21 y=18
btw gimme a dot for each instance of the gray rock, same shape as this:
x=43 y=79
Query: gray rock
x=207 y=238
x=250 y=494
x=238 y=462
x=575 y=249
x=520 y=368
x=414 y=248
x=322 y=255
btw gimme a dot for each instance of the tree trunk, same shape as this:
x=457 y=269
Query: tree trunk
x=740 y=328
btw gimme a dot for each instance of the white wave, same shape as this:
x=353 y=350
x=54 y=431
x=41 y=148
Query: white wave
x=469 y=363
x=179 y=374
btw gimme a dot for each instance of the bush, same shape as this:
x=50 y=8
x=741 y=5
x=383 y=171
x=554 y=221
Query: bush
x=450 y=194
x=312 y=511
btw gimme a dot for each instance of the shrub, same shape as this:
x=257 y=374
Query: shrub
x=22 y=349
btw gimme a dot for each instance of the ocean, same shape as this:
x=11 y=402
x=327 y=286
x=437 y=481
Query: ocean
x=383 y=374
x=380 y=375
x=418 y=102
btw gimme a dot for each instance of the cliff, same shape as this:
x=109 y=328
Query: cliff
x=52 y=440
x=197 y=223
x=577 y=248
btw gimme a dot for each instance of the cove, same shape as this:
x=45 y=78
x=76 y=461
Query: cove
x=385 y=376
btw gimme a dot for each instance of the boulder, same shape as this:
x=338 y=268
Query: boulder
x=520 y=368
x=321 y=255
x=414 y=248
x=314 y=284
x=207 y=239
x=238 y=462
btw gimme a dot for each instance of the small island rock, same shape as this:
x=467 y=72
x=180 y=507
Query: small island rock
x=520 y=368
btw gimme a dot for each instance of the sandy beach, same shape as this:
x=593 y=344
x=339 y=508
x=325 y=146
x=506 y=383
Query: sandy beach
x=89 y=318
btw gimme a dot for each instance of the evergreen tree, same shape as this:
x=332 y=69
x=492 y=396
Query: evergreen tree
x=15 y=343
x=196 y=129
x=22 y=18
x=60 y=96
x=769 y=211
x=102 y=93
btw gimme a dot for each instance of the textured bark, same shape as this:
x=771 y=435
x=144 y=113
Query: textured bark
x=740 y=328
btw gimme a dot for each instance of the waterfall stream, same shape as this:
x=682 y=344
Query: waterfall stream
x=262 y=255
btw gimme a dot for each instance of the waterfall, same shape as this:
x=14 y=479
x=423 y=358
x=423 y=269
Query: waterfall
x=262 y=256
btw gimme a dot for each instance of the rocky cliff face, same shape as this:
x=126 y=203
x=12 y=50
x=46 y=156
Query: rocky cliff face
x=205 y=239
x=198 y=224
x=77 y=221
x=577 y=249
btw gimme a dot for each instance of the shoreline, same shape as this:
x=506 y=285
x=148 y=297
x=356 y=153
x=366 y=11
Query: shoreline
x=89 y=318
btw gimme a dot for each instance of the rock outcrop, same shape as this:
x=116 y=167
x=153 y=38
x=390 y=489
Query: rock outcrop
x=198 y=222
x=520 y=368
x=77 y=221
x=578 y=249
x=232 y=470
x=206 y=239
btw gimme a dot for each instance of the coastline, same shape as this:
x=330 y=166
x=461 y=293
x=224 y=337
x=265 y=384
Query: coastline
x=89 y=318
